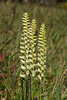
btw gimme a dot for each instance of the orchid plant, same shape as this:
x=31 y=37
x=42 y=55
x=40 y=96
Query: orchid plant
x=33 y=63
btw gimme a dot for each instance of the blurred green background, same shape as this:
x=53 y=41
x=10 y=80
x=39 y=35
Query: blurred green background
x=54 y=14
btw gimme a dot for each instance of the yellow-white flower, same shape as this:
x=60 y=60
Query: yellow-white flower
x=39 y=77
x=23 y=76
x=23 y=68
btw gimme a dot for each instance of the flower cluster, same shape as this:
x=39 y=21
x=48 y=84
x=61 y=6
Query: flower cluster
x=28 y=53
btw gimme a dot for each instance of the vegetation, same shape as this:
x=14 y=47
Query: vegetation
x=10 y=34
x=32 y=60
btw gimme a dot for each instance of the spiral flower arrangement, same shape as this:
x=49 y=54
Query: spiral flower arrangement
x=32 y=66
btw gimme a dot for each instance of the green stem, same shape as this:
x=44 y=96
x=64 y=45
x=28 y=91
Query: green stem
x=31 y=88
x=40 y=90
x=24 y=87
x=43 y=92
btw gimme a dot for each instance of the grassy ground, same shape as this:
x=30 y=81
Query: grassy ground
x=55 y=19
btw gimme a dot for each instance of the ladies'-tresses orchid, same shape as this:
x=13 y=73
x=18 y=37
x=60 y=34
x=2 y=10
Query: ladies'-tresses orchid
x=32 y=60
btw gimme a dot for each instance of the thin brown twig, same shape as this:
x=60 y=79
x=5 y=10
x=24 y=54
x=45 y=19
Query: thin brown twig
x=6 y=85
